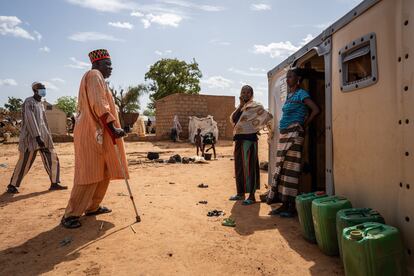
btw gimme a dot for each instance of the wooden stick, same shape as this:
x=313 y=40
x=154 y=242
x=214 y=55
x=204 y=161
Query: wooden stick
x=132 y=228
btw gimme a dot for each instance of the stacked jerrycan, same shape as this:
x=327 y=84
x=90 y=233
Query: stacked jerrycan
x=371 y=249
x=351 y=217
x=324 y=220
x=304 y=209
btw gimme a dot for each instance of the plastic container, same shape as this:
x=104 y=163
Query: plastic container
x=207 y=156
x=372 y=249
x=304 y=209
x=324 y=220
x=354 y=216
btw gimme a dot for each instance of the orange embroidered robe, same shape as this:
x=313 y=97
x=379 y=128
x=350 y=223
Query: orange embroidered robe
x=95 y=155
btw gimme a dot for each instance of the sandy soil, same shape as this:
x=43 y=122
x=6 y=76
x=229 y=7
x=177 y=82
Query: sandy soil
x=175 y=236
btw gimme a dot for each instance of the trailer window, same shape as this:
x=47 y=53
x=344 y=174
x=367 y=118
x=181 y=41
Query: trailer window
x=358 y=63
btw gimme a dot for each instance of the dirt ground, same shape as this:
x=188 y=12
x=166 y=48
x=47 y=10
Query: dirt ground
x=175 y=236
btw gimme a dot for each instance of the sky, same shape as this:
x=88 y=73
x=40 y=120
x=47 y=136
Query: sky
x=235 y=42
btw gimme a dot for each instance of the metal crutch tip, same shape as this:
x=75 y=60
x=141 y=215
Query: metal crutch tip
x=138 y=219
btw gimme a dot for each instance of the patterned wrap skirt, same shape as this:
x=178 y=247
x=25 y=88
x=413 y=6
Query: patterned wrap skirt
x=285 y=182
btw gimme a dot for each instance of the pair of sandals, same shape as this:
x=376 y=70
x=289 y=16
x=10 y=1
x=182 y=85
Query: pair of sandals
x=245 y=201
x=215 y=213
x=73 y=222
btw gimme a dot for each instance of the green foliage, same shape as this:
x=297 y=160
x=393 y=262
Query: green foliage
x=128 y=102
x=149 y=112
x=14 y=104
x=67 y=104
x=170 y=76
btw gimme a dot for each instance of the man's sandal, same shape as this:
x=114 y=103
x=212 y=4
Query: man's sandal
x=99 y=211
x=70 y=222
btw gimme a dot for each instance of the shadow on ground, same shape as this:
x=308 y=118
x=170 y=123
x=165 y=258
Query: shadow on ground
x=249 y=221
x=43 y=252
x=7 y=198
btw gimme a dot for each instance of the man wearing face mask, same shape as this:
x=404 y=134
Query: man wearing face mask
x=35 y=137
x=96 y=130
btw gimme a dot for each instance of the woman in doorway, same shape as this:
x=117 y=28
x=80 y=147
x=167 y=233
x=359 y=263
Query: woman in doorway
x=294 y=121
x=249 y=118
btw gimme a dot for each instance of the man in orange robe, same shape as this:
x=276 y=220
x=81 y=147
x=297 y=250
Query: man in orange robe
x=96 y=130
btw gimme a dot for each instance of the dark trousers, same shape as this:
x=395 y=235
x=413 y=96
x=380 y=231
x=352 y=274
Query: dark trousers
x=246 y=164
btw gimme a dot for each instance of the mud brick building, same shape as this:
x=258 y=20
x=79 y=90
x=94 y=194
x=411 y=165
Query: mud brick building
x=183 y=105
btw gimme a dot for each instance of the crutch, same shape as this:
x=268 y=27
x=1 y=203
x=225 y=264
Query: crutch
x=138 y=218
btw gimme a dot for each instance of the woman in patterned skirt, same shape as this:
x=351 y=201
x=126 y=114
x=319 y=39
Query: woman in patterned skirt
x=295 y=119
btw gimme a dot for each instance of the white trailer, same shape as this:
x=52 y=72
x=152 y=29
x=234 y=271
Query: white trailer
x=360 y=71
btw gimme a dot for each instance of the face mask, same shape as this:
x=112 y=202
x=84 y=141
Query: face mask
x=42 y=92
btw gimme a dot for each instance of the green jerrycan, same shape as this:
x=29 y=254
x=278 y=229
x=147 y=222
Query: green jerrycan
x=372 y=249
x=304 y=209
x=324 y=220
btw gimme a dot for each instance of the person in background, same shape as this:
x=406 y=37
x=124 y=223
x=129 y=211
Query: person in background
x=294 y=121
x=73 y=120
x=209 y=139
x=35 y=137
x=97 y=131
x=198 y=142
x=249 y=118
x=149 y=124
x=176 y=130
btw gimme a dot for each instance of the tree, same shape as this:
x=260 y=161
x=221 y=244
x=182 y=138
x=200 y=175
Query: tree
x=149 y=112
x=14 y=104
x=67 y=104
x=170 y=76
x=128 y=102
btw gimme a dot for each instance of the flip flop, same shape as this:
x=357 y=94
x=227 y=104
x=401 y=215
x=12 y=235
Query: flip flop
x=229 y=222
x=248 y=202
x=99 y=211
x=215 y=213
x=287 y=214
x=202 y=185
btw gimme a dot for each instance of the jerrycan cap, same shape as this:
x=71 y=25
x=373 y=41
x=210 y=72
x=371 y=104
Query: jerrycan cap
x=320 y=193
x=356 y=235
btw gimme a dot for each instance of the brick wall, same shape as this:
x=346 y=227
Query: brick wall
x=183 y=105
